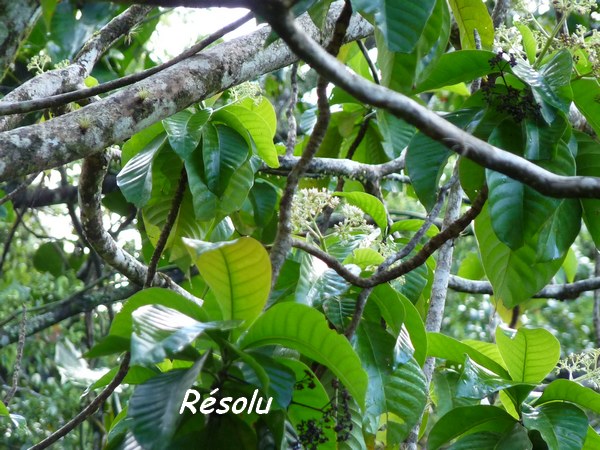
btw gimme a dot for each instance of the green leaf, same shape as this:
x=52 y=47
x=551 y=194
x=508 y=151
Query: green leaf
x=588 y=164
x=255 y=125
x=401 y=71
x=592 y=440
x=551 y=84
x=426 y=159
x=239 y=274
x=586 y=95
x=401 y=23
x=515 y=274
x=364 y=257
x=154 y=406
x=160 y=332
x=184 y=130
x=304 y=329
x=471 y=15
x=395 y=131
x=463 y=419
x=456 y=67
x=369 y=204
x=530 y=355
x=135 y=178
x=3 y=409
x=529 y=42
x=441 y=346
x=477 y=382
x=570 y=391
x=559 y=231
x=562 y=425
x=121 y=328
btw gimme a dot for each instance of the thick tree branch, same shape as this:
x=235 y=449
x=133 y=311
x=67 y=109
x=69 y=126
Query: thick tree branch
x=17 y=20
x=117 y=117
x=92 y=172
x=71 y=77
x=425 y=120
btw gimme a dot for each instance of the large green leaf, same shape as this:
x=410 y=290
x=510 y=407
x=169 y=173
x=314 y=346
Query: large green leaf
x=135 y=178
x=454 y=67
x=514 y=438
x=369 y=204
x=304 y=329
x=442 y=346
x=154 y=406
x=160 y=332
x=515 y=274
x=184 y=130
x=570 y=391
x=239 y=274
x=426 y=159
x=255 y=123
x=530 y=354
x=3 y=409
x=562 y=425
x=588 y=164
x=586 y=92
x=463 y=419
x=121 y=328
x=471 y=16
x=402 y=70
x=592 y=440
x=477 y=382
x=401 y=23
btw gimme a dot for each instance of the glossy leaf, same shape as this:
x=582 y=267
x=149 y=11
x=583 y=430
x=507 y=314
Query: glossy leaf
x=369 y=204
x=121 y=328
x=184 y=130
x=135 y=178
x=401 y=23
x=456 y=67
x=530 y=354
x=477 y=382
x=441 y=346
x=515 y=274
x=472 y=16
x=160 y=332
x=586 y=92
x=465 y=418
x=154 y=406
x=239 y=274
x=304 y=329
x=563 y=426
x=570 y=391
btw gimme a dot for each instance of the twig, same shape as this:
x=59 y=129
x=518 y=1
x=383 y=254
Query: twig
x=9 y=239
x=18 y=189
x=291 y=118
x=88 y=410
x=17 y=370
x=372 y=68
x=166 y=230
x=283 y=239
x=62 y=99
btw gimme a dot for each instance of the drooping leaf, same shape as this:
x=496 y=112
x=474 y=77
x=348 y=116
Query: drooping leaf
x=184 y=130
x=530 y=354
x=304 y=329
x=570 y=391
x=154 y=406
x=473 y=16
x=239 y=274
x=515 y=275
x=563 y=426
x=135 y=178
x=465 y=418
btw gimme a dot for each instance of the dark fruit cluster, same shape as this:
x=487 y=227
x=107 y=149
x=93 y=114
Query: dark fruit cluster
x=336 y=416
x=519 y=104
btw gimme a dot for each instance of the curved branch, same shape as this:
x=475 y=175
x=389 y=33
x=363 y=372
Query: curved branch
x=61 y=80
x=428 y=122
x=120 y=115
x=92 y=172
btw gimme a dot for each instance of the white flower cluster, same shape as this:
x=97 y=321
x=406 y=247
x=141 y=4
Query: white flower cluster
x=354 y=222
x=508 y=39
x=584 y=365
x=307 y=205
x=577 y=6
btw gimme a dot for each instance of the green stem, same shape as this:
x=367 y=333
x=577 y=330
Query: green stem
x=555 y=31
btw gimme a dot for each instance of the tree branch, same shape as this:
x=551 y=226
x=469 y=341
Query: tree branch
x=92 y=172
x=18 y=19
x=428 y=122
